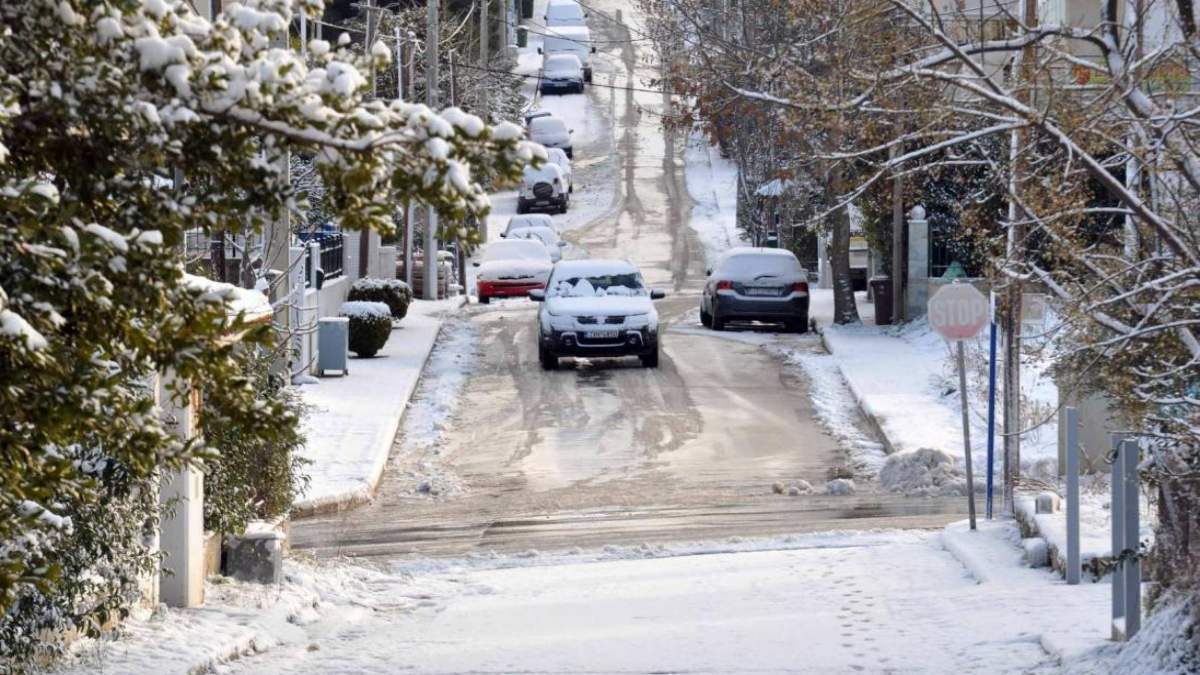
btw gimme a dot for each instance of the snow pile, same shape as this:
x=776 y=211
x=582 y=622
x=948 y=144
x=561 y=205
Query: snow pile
x=1166 y=645
x=362 y=309
x=926 y=471
x=253 y=303
x=840 y=486
x=794 y=488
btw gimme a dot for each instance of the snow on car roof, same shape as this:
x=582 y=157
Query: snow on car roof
x=530 y=220
x=547 y=170
x=593 y=267
x=573 y=33
x=542 y=232
x=516 y=249
x=549 y=123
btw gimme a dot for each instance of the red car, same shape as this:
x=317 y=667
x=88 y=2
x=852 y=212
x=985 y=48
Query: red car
x=511 y=268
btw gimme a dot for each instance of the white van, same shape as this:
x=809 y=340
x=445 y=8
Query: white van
x=564 y=13
x=575 y=40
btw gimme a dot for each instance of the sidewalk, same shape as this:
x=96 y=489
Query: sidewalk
x=354 y=419
x=904 y=380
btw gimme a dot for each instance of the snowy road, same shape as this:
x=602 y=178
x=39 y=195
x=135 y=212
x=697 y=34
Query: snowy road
x=608 y=452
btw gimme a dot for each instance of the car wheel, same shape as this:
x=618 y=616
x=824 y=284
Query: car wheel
x=705 y=318
x=522 y=209
x=483 y=299
x=650 y=360
x=563 y=207
x=549 y=361
x=717 y=322
x=799 y=325
x=570 y=153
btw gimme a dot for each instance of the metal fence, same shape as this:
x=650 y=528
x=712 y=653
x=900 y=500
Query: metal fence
x=331 y=254
x=198 y=243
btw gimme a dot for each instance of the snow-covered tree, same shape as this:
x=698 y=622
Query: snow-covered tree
x=102 y=104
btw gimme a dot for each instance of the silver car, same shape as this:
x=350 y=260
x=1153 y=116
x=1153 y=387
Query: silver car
x=756 y=284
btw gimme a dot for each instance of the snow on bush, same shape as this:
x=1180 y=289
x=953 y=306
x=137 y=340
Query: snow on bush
x=393 y=292
x=926 y=471
x=370 y=326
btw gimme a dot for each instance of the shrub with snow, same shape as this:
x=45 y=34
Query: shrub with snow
x=393 y=292
x=370 y=326
x=926 y=472
x=840 y=487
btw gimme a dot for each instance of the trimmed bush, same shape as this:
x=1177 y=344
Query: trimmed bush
x=392 y=292
x=370 y=326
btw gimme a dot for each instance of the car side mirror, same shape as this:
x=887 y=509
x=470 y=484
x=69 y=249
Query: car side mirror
x=537 y=295
x=539 y=50
x=562 y=244
x=503 y=235
x=570 y=131
x=593 y=50
x=476 y=264
x=707 y=272
x=657 y=294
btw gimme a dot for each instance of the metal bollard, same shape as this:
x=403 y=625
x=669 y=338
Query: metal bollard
x=1069 y=421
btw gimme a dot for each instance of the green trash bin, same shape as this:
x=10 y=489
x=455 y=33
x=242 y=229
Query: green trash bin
x=526 y=9
x=522 y=36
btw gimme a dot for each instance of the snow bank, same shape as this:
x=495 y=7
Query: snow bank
x=926 y=471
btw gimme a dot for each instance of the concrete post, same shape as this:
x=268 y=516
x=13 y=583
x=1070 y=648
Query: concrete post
x=314 y=263
x=918 y=263
x=181 y=582
x=824 y=272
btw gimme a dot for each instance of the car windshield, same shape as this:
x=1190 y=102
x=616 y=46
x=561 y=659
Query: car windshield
x=759 y=266
x=563 y=63
x=598 y=285
x=516 y=249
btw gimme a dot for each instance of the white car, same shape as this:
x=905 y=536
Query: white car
x=557 y=156
x=596 y=308
x=547 y=235
x=543 y=188
x=575 y=40
x=561 y=73
x=564 y=13
x=512 y=268
x=551 y=132
x=528 y=220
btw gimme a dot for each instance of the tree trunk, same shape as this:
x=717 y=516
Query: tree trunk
x=844 y=309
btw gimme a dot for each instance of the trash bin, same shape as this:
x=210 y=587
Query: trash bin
x=526 y=9
x=522 y=36
x=881 y=290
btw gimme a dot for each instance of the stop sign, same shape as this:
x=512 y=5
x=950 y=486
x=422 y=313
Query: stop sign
x=958 y=311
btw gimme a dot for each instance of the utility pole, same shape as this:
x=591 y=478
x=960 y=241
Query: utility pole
x=485 y=34
x=364 y=236
x=410 y=219
x=432 y=43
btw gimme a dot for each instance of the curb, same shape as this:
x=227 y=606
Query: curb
x=876 y=425
x=363 y=495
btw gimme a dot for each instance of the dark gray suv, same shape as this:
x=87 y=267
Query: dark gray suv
x=756 y=284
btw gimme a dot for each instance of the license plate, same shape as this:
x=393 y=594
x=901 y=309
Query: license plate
x=542 y=202
x=762 y=291
x=600 y=334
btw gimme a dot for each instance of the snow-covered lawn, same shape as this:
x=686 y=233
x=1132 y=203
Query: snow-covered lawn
x=889 y=601
x=353 y=419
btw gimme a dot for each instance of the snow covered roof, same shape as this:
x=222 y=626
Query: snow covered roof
x=254 y=303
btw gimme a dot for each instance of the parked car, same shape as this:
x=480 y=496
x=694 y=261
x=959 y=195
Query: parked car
x=575 y=40
x=561 y=73
x=551 y=132
x=557 y=156
x=543 y=188
x=512 y=268
x=527 y=220
x=534 y=114
x=597 y=308
x=764 y=284
x=564 y=13
x=547 y=235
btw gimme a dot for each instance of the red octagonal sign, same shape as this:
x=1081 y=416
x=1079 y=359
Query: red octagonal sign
x=958 y=311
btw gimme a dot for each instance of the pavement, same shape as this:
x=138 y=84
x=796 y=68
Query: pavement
x=353 y=419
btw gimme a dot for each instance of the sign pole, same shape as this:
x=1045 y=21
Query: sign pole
x=991 y=423
x=962 y=387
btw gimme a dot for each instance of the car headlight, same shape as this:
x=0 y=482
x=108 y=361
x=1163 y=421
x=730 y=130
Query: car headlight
x=637 y=320
x=561 y=321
